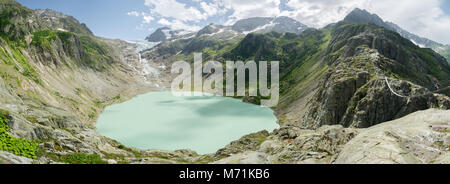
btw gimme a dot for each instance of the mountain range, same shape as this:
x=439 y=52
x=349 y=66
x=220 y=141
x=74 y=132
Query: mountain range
x=289 y=25
x=245 y=26
x=357 y=91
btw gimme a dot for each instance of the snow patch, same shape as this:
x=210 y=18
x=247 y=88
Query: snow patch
x=420 y=45
x=271 y=24
x=216 y=33
x=167 y=33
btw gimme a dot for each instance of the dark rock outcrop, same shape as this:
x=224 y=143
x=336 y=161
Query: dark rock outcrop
x=158 y=35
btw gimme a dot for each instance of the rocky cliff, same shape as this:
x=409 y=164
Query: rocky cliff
x=419 y=138
x=376 y=76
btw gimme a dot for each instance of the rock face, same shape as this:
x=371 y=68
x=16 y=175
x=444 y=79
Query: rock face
x=353 y=97
x=422 y=137
x=9 y=158
x=362 y=16
x=60 y=21
x=158 y=35
x=373 y=78
x=161 y=34
x=291 y=145
x=164 y=34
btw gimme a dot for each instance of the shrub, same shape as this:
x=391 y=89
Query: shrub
x=82 y=158
x=44 y=38
x=17 y=146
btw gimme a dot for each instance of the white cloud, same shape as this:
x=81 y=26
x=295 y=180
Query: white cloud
x=424 y=18
x=251 y=8
x=147 y=18
x=319 y=13
x=178 y=25
x=214 y=8
x=175 y=9
x=133 y=13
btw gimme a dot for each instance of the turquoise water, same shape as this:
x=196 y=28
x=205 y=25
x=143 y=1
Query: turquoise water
x=159 y=120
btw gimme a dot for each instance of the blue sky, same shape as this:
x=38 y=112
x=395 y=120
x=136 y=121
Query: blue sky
x=107 y=18
x=135 y=19
x=446 y=6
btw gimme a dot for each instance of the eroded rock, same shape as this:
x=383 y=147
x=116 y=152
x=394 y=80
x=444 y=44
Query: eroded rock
x=415 y=139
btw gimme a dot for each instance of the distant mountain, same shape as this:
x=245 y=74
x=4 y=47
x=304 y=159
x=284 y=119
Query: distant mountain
x=363 y=16
x=269 y=24
x=217 y=32
x=241 y=27
x=163 y=34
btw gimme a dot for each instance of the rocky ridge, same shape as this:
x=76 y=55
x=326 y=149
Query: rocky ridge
x=362 y=16
x=419 y=138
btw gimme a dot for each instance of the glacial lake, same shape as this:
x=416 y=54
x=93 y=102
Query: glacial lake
x=160 y=120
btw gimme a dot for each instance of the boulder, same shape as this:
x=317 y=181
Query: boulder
x=418 y=138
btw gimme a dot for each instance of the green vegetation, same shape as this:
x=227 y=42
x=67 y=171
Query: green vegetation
x=12 y=54
x=27 y=69
x=444 y=51
x=297 y=53
x=136 y=154
x=74 y=158
x=82 y=158
x=5 y=57
x=400 y=57
x=305 y=58
x=91 y=115
x=44 y=38
x=206 y=159
x=98 y=103
x=9 y=30
x=97 y=53
x=21 y=147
